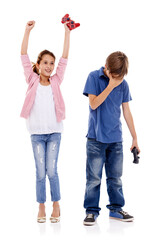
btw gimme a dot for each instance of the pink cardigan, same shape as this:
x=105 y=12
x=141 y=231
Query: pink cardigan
x=33 y=79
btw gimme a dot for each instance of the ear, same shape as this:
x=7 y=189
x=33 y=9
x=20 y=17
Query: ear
x=106 y=70
x=106 y=67
x=37 y=65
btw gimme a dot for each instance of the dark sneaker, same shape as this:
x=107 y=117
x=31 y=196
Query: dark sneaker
x=89 y=220
x=121 y=215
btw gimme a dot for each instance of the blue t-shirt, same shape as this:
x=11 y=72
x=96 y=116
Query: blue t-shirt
x=104 y=122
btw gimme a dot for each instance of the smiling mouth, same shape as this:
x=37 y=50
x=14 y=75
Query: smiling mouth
x=48 y=71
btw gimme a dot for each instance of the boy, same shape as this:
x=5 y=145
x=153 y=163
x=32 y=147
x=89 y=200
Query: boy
x=107 y=91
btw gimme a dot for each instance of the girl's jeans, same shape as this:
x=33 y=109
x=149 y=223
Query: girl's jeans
x=98 y=154
x=46 y=150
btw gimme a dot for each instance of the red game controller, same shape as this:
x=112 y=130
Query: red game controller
x=71 y=25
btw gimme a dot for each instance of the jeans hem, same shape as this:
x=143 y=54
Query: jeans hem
x=55 y=200
x=92 y=212
x=114 y=209
x=41 y=201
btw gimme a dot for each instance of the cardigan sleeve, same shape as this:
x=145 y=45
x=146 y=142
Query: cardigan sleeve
x=28 y=71
x=60 y=70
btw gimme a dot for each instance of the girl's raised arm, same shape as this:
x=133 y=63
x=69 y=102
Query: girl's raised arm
x=28 y=29
x=66 y=42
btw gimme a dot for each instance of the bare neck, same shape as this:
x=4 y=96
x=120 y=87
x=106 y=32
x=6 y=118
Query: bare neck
x=44 y=80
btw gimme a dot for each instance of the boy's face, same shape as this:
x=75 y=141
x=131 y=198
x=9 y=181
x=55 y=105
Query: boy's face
x=116 y=76
x=113 y=75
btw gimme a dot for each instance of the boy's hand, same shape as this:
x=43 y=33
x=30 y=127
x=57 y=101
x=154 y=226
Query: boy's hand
x=114 y=81
x=135 y=144
x=30 y=25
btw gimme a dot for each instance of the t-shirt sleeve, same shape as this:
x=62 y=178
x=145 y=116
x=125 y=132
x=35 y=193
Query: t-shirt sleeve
x=126 y=93
x=90 y=86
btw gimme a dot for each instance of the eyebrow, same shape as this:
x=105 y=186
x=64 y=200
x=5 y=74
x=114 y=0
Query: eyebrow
x=47 y=61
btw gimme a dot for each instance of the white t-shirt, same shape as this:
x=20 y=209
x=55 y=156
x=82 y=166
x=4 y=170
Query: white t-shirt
x=42 y=118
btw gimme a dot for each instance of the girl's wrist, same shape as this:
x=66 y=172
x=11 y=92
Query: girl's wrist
x=27 y=30
x=67 y=31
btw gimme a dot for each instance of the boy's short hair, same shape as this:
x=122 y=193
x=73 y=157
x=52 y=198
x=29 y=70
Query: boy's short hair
x=117 y=64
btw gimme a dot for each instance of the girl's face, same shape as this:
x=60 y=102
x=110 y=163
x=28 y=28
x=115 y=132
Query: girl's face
x=46 y=65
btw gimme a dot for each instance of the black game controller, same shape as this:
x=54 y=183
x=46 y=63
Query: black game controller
x=135 y=154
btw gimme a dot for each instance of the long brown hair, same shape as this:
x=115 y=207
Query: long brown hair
x=41 y=54
x=117 y=63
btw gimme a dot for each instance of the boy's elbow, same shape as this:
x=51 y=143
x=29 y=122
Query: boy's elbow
x=92 y=102
x=93 y=107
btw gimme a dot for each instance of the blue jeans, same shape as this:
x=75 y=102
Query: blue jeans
x=98 y=154
x=46 y=150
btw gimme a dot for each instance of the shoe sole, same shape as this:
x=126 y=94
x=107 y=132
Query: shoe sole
x=55 y=219
x=41 y=221
x=122 y=220
x=89 y=224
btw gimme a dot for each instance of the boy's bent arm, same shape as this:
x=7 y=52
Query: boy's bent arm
x=130 y=123
x=96 y=101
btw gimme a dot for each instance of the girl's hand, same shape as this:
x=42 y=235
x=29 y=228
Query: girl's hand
x=66 y=28
x=30 y=25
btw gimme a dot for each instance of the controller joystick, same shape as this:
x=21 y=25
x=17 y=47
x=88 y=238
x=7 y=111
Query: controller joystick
x=135 y=154
x=66 y=18
x=72 y=25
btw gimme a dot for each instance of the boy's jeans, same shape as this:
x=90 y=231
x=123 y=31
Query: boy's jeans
x=46 y=150
x=98 y=154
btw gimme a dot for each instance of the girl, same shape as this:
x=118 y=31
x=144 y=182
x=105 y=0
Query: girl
x=44 y=111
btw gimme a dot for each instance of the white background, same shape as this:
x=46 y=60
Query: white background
x=106 y=26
